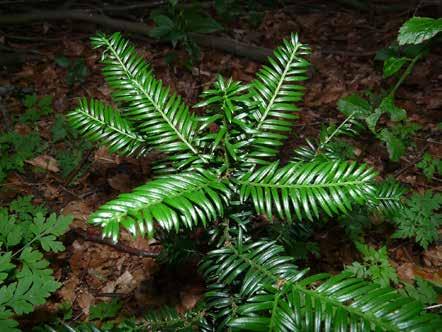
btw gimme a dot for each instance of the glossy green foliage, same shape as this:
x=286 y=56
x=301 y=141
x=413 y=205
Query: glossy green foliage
x=187 y=199
x=419 y=29
x=99 y=122
x=389 y=198
x=241 y=127
x=230 y=142
x=296 y=303
x=274 y=92
x=303 y=190
x=340 y=303
x=219 y=168
x=226 y=264
x=328 y=146
x=286 y=299
x=162 y=117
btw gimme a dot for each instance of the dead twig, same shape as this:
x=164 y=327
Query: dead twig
x=412 y=163
x=119 y=246
x=77 y=169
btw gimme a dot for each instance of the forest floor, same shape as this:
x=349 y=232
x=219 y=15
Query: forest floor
x=344 y=43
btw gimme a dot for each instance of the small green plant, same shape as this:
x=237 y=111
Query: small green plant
x=25 y=277
x=420 y=218
x=15 y=149
x=430 y=166
x=423 y=291
x=398 y=61
x=375 y=266
x=218 y=171
x=176 y=24
x=104 y=312
x=73 y=148
x=35 y=108
x=77 y=70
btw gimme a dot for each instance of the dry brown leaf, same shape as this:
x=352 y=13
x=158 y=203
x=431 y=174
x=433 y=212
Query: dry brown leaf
x=126 y=283
x=85 y=300
x=433 y=256
x=22 y=129
x=68 y=290
x=46 y=162
x=50 y=192
x=80 y=211
x=406 y=272
x=120 y=182
x=103 y=157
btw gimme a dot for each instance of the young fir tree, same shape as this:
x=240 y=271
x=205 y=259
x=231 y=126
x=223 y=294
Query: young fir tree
x=218 y=171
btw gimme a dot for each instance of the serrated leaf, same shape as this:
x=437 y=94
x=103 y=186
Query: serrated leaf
x=10 y=233
x=392 y=65
x=105 y=310
x=47 y=230
x=5 y=265
x=7 y=324
x=418 y=29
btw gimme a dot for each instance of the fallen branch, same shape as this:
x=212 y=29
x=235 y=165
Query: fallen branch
x=119 y=246
x=224 y=44
x=219 y=43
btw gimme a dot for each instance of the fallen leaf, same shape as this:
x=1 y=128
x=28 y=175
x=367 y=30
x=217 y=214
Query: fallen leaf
x=46 y=162
x=80 y=211
x=126 y=283
x=85 y=300
x=68 y=291
x=406 y=272
x=120 y=182
x=433 y=256
x=50 y=192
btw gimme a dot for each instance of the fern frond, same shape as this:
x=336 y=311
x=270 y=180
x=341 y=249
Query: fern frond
x=227 y=95
x=163 y=118
x=234 y=226
x=257 y=263
x=171 y=202
x=168 y=319
x=98 y=122
x=222 y=304
x=307 y=188
x=340 y=303
x=326 y=144
x=274 y=93
x=283 y=299
x=234 y=126
x=389 y=195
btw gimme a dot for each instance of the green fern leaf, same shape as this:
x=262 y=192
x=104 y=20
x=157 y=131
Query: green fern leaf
x=256 y=262
x=170 y=201
x=274 y=93
x=101 y=123
x=284 y=299
x=163 y=118
x=389 y=195
x=307 y=188
x=340 y=303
